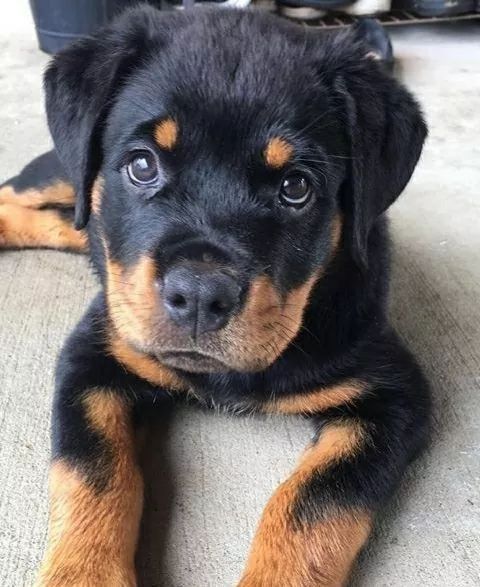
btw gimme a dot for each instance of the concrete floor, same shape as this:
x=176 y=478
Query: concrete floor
x=210 y=475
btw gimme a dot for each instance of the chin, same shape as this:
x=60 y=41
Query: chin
x=192 y=361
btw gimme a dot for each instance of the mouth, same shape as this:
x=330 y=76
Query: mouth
x=191 y=361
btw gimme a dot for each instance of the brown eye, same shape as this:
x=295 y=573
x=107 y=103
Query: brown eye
x=295 y=190
x=143 y=168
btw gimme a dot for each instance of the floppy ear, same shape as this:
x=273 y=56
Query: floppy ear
x=386 y=132
x=80 y=84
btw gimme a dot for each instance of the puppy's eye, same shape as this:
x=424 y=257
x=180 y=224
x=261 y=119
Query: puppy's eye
x=143 y=168
x=295 y=190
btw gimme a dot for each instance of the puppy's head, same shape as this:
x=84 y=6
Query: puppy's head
x=222 y=158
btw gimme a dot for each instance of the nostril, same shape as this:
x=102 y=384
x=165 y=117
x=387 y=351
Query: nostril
x=199 y=298
x=178 y=301
x=218 y=307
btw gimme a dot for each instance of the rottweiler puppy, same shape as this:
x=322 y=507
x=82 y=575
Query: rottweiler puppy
x=229 y=173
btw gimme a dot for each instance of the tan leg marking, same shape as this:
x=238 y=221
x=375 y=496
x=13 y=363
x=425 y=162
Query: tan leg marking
x=23 y=227
x=93 y=534
x=315 y=401
x=285 y=553
x=59 y=193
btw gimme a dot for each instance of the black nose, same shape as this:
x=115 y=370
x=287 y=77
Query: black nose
x=201 y=300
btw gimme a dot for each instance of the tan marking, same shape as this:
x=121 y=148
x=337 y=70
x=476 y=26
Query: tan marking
x=145 y=367
x=316 y=401
x=132 y=298
x=278 y=153
x=336 y=442
x=93 y=534
x=166 y=134
x=59 y=193
x=252 y=340
x=26 y=227
x=337 y=227
x=322 y=553
x=109 y=414
x=268 y=323
x=97 y=194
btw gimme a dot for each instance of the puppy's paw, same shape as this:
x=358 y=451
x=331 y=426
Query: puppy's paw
x=108 y=575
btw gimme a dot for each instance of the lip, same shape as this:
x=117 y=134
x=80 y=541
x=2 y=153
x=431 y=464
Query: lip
x=192 y=361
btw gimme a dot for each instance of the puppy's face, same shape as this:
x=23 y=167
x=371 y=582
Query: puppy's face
x=217 y=203
x=218 y=208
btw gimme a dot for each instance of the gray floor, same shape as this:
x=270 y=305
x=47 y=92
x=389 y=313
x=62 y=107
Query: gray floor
x=210 y=475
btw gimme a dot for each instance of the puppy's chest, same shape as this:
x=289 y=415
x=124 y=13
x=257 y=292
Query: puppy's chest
x=251 y=394
x=230 y=397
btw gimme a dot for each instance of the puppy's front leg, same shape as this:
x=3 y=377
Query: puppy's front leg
x=95 y=482
x=95 y=493
x=306 y=538
x=318 y=520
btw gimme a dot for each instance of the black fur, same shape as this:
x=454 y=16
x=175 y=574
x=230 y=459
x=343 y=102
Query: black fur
x=233 y=80
x=39 y=173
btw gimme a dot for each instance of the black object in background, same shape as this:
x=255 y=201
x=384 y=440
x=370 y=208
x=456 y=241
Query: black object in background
x=58 y=22
x=431 y=8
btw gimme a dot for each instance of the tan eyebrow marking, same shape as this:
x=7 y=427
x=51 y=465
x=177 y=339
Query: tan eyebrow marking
x=166 y=134
x=278 y=152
